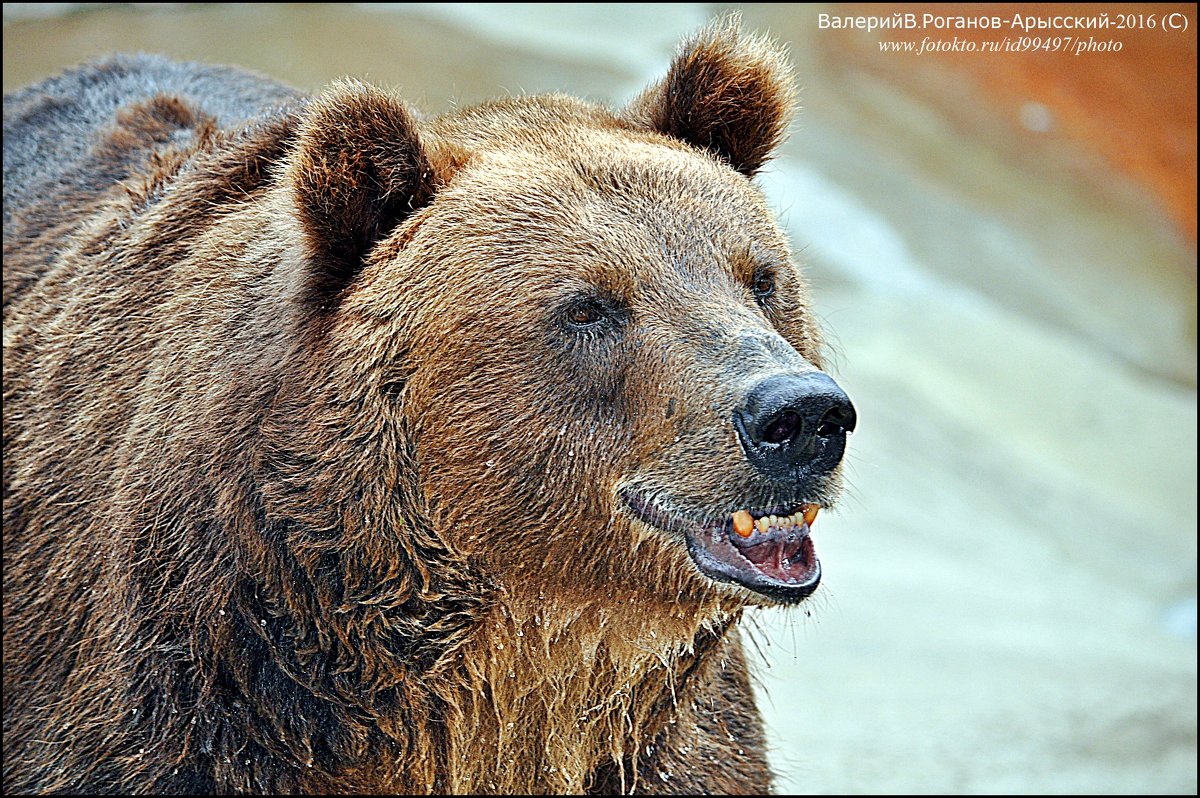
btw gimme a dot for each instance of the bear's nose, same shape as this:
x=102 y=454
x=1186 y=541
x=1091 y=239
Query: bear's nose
x=794 y=425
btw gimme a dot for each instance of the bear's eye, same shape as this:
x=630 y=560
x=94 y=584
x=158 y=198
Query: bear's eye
x=764 y=285
x=586 y=313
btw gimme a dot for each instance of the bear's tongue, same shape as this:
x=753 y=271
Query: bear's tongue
x=777 y=546
x=787 y=561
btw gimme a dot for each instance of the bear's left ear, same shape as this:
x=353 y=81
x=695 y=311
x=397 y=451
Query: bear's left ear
x=357 y=170
x=726 y=92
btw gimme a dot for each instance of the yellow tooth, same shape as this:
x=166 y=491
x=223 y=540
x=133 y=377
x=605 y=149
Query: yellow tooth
x=774 y=520
x=763 y=524
x=794 y=519
x=810 y=514
x=743 y=523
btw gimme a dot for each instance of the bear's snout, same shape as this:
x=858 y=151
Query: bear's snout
x=794 y=425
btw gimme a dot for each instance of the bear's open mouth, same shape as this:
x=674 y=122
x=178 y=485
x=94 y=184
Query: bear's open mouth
x=767 y=550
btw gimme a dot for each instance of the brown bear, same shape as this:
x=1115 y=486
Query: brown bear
x=347 y=451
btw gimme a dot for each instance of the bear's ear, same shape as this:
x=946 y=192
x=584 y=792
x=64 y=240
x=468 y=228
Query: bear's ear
x=726 y=92
x=357 y=170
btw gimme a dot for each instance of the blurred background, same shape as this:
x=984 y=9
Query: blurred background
x=1003 y=249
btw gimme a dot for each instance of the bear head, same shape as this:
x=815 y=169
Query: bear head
x=582 y=331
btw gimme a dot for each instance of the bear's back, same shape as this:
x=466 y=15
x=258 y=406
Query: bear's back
x=63 y=149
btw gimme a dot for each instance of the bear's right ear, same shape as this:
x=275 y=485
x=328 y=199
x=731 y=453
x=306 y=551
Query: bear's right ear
x=357 y=170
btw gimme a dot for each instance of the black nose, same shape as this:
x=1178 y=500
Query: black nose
x=793 y=425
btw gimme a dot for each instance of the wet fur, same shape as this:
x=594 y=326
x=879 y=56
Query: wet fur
x=280 y=514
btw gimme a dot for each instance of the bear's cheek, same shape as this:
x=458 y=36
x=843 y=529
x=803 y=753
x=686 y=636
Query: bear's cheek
x=512 y=454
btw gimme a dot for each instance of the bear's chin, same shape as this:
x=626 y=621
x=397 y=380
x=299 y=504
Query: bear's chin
x=768 y=552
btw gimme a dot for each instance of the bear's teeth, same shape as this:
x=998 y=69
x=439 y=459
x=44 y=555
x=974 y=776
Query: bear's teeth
x=745 y=524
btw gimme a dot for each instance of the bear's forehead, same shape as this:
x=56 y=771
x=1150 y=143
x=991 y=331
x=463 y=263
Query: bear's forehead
x=628 y=250
x=615 y=164
x=615 y=188
x=625 y=242
x=556 y=145
x=563 y=189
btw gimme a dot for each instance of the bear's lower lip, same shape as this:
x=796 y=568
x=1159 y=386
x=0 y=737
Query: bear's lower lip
x=779 y=561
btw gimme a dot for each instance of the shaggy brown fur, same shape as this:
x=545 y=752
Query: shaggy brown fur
x=316 y=419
